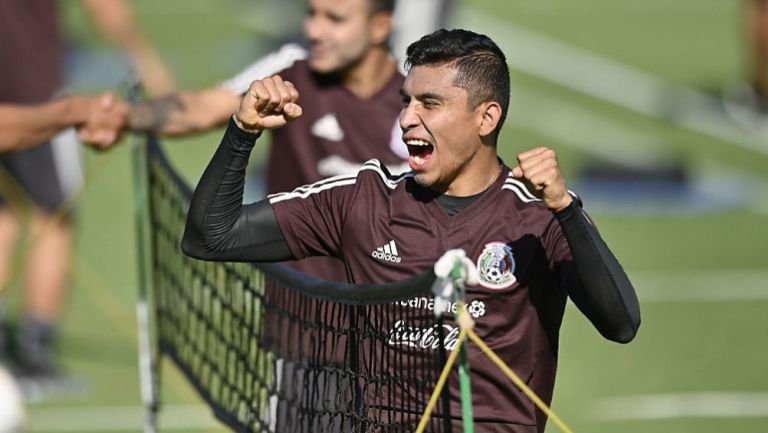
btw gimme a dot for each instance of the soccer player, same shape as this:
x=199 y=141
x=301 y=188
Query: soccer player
x=349 y=83
x=533 y=244
x=32 y=59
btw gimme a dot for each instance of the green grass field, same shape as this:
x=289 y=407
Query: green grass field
x=700 y=361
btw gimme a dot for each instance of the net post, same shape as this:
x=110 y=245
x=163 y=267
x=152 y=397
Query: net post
x=148 y=374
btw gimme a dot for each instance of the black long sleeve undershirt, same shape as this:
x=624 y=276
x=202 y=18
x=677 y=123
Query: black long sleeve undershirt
x=602 y=290
x=219 y=227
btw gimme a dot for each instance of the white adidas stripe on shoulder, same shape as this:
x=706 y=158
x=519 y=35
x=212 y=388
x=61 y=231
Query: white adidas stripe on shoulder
x=336 y=181
x=519 y=189
x=307 y=190
x=390 y=181
x=268 y=65
x=320 y=183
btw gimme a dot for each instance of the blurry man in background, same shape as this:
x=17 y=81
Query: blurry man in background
x=349 y=84
x=43 y=176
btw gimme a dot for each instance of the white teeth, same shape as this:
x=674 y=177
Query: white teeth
x=415 y=142
x=417 y=159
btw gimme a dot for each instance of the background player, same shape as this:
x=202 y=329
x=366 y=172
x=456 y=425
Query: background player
x=458 y=195
x=349 y=83
x=32 y=56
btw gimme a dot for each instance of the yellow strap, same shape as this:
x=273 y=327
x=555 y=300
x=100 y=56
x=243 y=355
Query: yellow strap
x=440 y=383
x=520 y=384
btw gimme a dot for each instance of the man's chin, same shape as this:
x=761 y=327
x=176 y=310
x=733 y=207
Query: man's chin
x=423 y=180
x=322 y=66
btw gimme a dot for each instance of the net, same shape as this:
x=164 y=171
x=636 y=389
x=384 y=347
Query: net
x=272 y=350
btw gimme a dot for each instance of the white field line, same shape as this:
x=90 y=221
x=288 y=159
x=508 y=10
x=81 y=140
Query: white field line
x=571 y=124
x=610 y=81
x=683 y=405
x=118 y=418
x=701 y=285
x=566 y=122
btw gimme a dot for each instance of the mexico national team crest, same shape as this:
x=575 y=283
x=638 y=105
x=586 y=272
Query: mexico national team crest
x=496 y=265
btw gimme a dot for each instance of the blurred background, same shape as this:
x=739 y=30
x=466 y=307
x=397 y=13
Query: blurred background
x=643 y=102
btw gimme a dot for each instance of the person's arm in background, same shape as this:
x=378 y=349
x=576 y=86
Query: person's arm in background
x=99 y=119
x=184 y=112
x=116 y=22
x=188 y=112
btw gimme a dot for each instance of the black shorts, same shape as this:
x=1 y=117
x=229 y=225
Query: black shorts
x=45 y=175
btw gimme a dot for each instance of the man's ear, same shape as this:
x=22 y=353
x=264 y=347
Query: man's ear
x=490 y=116
x=381 y=27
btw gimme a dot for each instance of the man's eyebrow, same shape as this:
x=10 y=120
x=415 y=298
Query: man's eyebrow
x=421 y=96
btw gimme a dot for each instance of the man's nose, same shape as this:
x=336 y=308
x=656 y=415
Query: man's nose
x=408 y=117
x=312 y=27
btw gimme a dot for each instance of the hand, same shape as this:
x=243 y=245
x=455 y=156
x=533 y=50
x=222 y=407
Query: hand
x=539 y=169
x=269 y=104
x=107 y=117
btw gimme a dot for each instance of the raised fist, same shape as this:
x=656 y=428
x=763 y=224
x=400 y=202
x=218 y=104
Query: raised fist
x=539 y=169
x=269 y=104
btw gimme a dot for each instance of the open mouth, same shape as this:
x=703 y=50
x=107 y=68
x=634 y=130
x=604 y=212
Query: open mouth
x=419 y=152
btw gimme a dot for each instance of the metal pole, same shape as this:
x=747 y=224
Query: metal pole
x=147 y=361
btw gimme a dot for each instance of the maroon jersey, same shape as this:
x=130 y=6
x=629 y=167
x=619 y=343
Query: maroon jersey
x=30 y=51
x=336 y=133
x=389 y=228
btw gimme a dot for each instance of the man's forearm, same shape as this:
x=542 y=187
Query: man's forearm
x=602 y=291
x=25 y=126
x=218 y=226
x=184 y=112
x=161 y=115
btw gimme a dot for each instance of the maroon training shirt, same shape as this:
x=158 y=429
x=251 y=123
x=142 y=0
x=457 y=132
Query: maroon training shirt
x=388 y=228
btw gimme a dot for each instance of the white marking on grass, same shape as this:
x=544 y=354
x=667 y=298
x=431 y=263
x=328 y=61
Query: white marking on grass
x=683 y=405
x=569 y=123
x=701 y=285
x=118 y=418
x=623 y=144
x=611 y=81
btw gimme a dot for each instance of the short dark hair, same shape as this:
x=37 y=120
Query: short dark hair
x=382 y=6
x=480 y=64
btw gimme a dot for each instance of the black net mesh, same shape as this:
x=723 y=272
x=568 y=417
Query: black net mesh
x=275 y=351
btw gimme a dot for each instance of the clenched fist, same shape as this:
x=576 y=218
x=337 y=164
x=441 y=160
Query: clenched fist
x=539 y=169
x=269 y=104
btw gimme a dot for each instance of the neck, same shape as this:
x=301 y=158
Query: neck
x=371 y=74
x=477 y=178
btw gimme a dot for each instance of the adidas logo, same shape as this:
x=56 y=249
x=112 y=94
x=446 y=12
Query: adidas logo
x=328 y=127
x=388 y=252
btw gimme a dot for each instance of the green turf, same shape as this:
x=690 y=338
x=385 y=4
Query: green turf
x=682 y=346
